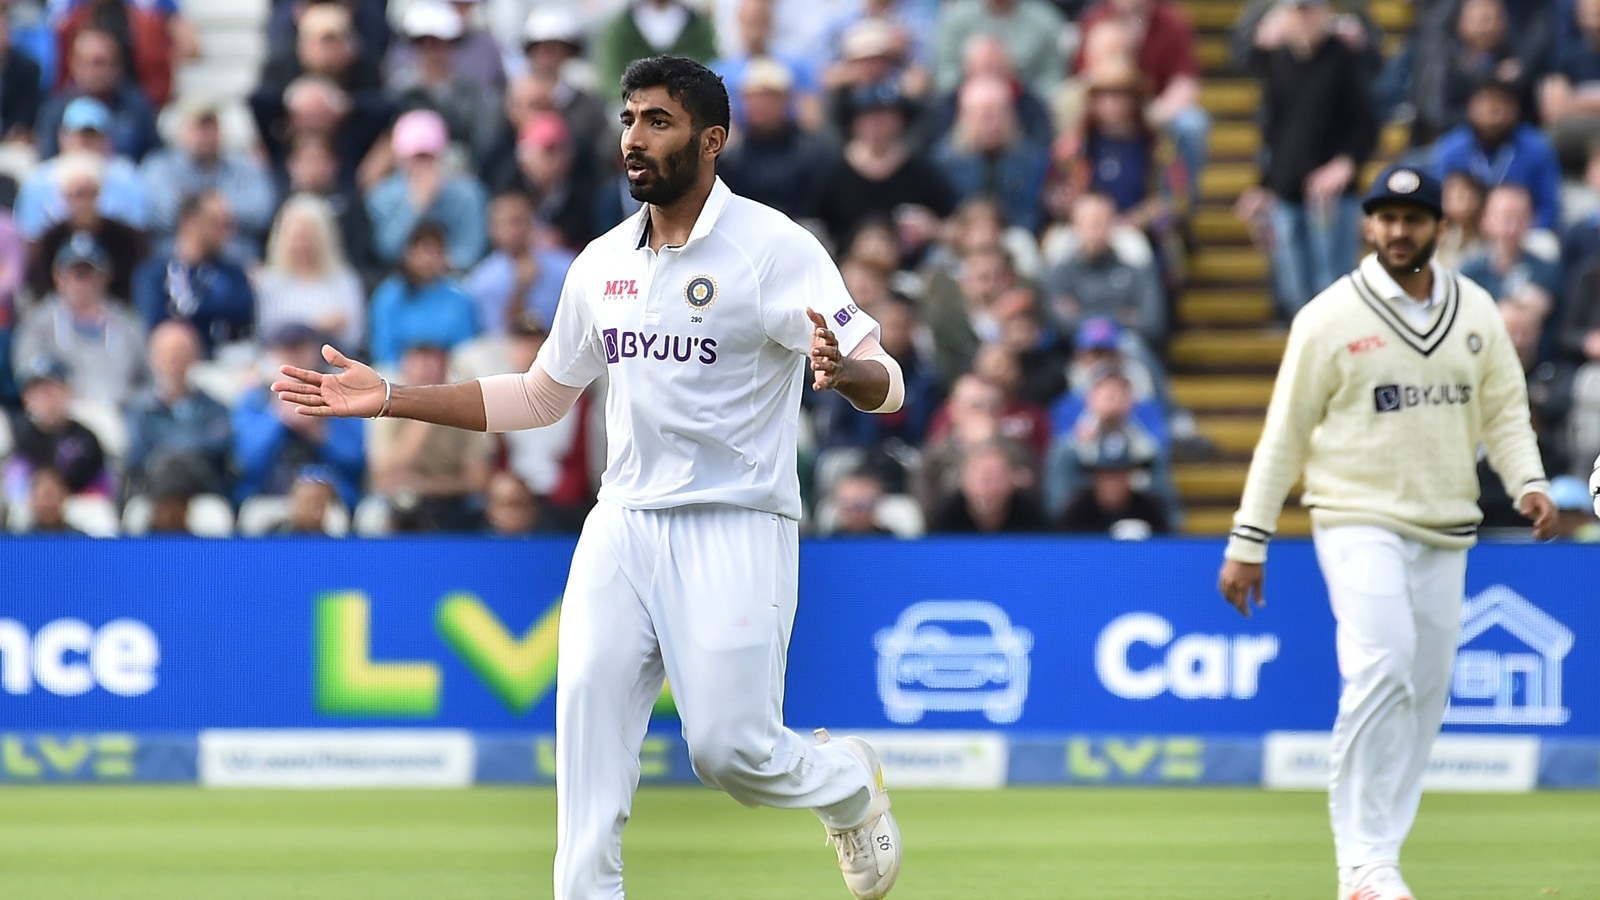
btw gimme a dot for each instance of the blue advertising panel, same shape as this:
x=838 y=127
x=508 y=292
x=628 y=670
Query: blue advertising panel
x=1037 y=637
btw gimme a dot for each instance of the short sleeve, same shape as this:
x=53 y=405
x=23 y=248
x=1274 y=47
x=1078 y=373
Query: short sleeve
x=805 y=278
x=572 y=354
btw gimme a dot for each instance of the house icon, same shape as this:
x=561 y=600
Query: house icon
x=1499 y=686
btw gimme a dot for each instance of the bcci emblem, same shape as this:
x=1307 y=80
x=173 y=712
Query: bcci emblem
x=1404 y=181
x=1474 y=343
x=700 y=292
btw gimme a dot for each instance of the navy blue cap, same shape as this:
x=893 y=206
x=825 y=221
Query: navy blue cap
x=1405 y=184
x=82 y=249
x=42 y=368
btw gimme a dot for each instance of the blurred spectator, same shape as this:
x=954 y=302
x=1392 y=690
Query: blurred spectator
x=307 y=280
x=553 y=44
x=1097 y=282
x=1451 y=67
x=324 y=87
x=1576 y=520
x=880 y=175
x=153 y=36
x=1164 y=43
x=1101 y=346
x=560 y=463
x=773 y=159
x=13 y=268
x=1461 y=236
x=425 y=189
x=855 y=499
x=96 y=70
x=1030 y=29
x=1569 y=98
x=1351 y=24
x=1496 y=147
x=521 y=277
x=986 y=152
x=44 y=437
x=1580 y=345
x=991 y=499
x=420 y=303
x=195 y=282
x=200 y=164
x=313 y=168
x=1110 y=503
x=509 y=508
x=433 y=76
x=1040 y=351
x=978 y=222
x=272 y=442
x=756 y=48
x=974 y=412
x=20 y=85
x=172 y=484
x=40 y=203
x=370 y=23
x=1021 y=420
x=911 y=26
x=1318 y=127
x=313 y=492
x=1107 y=414
x=1505 y=263
x=969 y=315
x=564 y=202
x=872 y=60
x=78 y=178
x=173 y=418
x=1112 y=44
x=649 y=28
x=985 y=56
x=526 y=96
x=100 y=342
x=474 y=53
x=444 y=468
x=47 y=504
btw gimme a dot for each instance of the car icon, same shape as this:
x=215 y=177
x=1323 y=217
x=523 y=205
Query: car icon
x=953 y=656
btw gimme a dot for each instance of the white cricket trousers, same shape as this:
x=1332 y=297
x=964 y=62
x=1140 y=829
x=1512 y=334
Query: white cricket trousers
x=705 y=597
x=1398 y=606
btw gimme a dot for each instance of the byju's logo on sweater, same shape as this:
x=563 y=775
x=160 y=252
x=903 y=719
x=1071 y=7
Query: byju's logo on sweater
x=1397 y=397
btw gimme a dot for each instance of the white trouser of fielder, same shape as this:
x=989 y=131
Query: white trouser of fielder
x=1398 y=605
x=705 y=597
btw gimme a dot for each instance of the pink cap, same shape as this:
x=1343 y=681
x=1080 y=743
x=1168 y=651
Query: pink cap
x=544 y=129
x=420 y=131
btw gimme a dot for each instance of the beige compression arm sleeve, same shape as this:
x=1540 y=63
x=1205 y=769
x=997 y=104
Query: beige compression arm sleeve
x=869 y=348
x=530 y=399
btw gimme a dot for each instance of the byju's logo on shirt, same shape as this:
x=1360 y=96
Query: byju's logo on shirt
x=1397 y=397
x=844 y=315
x=621 y=345
x=621 y=289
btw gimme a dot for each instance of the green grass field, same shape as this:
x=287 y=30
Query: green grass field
x=67 y=843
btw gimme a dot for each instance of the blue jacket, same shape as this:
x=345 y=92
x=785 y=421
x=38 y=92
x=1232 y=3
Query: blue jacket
x=260 y=440
x=1526 y=158
x=439 y=313
x=1017 y=180
x=214 y=296
x=460 y=207
x=133 y=122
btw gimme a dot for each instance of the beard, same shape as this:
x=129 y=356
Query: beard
x=1407 y=265
x=669 y=178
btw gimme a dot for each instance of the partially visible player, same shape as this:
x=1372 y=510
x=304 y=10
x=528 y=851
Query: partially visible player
x=703 y=309
x=1391 y=380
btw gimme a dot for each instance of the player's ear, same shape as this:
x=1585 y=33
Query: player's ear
x=712 y=141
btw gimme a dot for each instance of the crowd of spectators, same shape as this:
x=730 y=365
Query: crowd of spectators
x=1007 y=186
x=1502 y=100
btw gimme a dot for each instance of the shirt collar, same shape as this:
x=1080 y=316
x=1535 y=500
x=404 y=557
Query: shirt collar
x=1390 y=290
x=716 y=202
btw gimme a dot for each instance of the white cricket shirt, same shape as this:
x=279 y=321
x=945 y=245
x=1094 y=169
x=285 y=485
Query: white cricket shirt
x=706 y=348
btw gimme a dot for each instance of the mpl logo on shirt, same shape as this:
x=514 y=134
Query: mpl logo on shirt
x=622 y=344
x=1508 y=663
x=622 y=289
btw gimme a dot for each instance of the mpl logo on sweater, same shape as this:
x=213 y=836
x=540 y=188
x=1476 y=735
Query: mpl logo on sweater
x=1396 y=397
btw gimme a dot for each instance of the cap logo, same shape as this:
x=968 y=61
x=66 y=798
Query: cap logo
x=1404 y=181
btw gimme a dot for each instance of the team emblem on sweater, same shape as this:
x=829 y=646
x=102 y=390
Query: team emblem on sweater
x=700 y=292
x=1404 y=181
x=1474 y=343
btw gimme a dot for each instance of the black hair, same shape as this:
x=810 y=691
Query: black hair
x=425 y=231
x=699 y=90
x=513 y=193
x=191 y=204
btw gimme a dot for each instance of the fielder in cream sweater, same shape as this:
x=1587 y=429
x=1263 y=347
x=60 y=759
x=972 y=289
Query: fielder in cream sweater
x=1391 y=381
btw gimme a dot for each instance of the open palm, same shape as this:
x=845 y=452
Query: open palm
x=355 y=390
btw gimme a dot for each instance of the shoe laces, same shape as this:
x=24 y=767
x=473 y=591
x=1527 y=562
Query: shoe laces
x=854 y=844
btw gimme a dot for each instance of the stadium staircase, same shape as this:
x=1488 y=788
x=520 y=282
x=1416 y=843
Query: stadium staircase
x=1229 y=341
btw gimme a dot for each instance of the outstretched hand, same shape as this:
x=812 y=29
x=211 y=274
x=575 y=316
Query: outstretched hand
x=355 y=390
x=827 y=364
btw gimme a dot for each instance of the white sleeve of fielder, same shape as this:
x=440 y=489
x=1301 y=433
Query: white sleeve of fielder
x=530 y=399
x=1299 y=401
x=869 y=349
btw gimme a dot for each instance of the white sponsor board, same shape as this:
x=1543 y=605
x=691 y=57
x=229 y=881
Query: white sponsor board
x=336 y=759
x=1298 y=760
x=975 y=760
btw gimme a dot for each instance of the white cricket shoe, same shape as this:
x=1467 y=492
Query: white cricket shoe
x=1377 y=881
x=869 y=854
